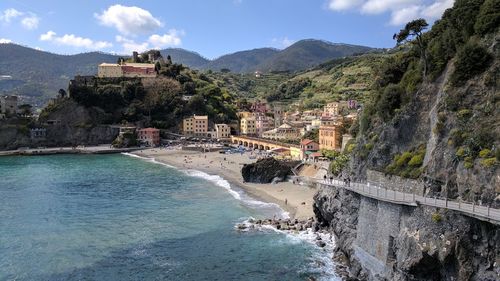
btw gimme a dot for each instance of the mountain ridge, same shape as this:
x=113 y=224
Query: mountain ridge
x=37 y=75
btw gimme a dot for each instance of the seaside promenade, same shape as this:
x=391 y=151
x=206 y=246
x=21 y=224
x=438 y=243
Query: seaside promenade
x=485 y=213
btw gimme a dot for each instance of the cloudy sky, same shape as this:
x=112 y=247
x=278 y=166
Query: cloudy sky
x=209 y=27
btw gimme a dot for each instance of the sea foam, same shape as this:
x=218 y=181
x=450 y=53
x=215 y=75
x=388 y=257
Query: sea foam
x=273 y=208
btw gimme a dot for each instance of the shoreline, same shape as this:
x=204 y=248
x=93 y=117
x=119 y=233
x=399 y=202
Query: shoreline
x=294 y=199
x=102 y=149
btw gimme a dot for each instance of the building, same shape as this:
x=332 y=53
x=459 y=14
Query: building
x=278 y=113
x=283 y=132
x=263 y=123
x=259 y=107
x=196 y=125
x=222 y=131
x=143 y=70
x=8 y=105
x=149 y=136
x=248 y=126
x=336 y=108
x=330 y=138
x=307 y=147
x=295 y=153
x=38 y=134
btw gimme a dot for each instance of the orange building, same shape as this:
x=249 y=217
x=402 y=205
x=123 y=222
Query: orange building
x=149 y=136
x=330 y=138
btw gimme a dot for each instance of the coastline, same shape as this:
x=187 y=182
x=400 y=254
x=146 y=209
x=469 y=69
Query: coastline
x=295 y=199
x=101 y=149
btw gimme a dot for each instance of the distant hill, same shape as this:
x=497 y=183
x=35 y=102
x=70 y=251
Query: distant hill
x=189 y=58
x=37 y=75
x=308 y=53
x=243 y=62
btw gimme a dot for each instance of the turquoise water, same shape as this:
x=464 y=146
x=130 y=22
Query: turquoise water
x=114 y=217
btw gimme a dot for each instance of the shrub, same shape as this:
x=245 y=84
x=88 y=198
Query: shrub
x=488 y=162
x=403 y=159
x=461 y=152
x=416 y=160
x=389 y=101
x=468 y=162
x=488 y=18
x=436 y=217
x=471 y=60
x=464 y=114
x=485 y=153
x=369 y=146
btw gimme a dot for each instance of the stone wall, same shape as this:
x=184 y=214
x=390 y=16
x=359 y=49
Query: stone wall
x=386 y=241
x=394 y=182
x=378 y=225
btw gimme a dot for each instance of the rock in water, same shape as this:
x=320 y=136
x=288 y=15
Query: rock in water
x=267 y=170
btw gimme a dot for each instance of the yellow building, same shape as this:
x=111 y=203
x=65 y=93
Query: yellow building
x=295 y=152
x=248 y=126
x=335 y=108
x=222 y=131
x=330 y=138
x=109 y=70
x=195 y=126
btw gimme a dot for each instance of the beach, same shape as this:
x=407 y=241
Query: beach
x=295 y=199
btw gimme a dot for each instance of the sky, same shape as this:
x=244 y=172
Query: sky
x=210 y=27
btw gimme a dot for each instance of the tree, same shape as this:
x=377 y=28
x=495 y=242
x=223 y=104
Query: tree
x=25 y=109
x=412 y=32
x=62 y=93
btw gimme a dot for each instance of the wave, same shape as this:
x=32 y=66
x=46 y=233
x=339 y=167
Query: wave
x=220 y=181
x=321 y=261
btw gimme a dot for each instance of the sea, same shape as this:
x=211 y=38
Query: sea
x=119 y=217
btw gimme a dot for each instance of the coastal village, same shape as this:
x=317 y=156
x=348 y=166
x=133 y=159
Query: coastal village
x=277 y=128
x=272 y=127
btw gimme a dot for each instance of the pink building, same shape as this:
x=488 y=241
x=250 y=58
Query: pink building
x=307 y=147
x=149 y=136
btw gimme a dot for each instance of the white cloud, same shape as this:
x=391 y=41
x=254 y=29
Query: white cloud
x=437 y=9
x=172 y=38
x=381 y=6
x=340 y=5
x=282 y=42
x=401 y=11
x=5 y=41
x=129 y=20
x=130 y=46
x=9 y=14
x=404 y=15
x=30 y=22
x=47 y=36
x=75 y=41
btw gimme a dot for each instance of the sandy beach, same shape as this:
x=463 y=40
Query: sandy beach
x=293 y=198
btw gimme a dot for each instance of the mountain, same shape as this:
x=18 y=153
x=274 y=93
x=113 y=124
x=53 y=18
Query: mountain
x=37 y=75
x=242 y=62
x=191 y=59
x=299 y=56
x=308 y=53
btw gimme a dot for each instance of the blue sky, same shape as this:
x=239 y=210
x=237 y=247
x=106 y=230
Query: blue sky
x=209 y=27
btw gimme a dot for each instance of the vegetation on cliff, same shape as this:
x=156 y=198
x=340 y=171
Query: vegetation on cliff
x=435 y=104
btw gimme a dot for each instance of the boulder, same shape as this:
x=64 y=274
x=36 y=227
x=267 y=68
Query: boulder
x=267 y=170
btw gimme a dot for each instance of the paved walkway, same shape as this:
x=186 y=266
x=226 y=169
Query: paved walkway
x=480 y=212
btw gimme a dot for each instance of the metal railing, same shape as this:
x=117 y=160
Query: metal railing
x=403 y=198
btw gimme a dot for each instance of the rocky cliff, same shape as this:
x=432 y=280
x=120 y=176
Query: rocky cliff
x=384 y=241
x=66 y=124
x=267 y=170
x=434 y=121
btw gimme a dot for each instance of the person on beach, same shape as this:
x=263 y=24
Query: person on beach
x=331 y=179
x=286 y=201
x=324 y=178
